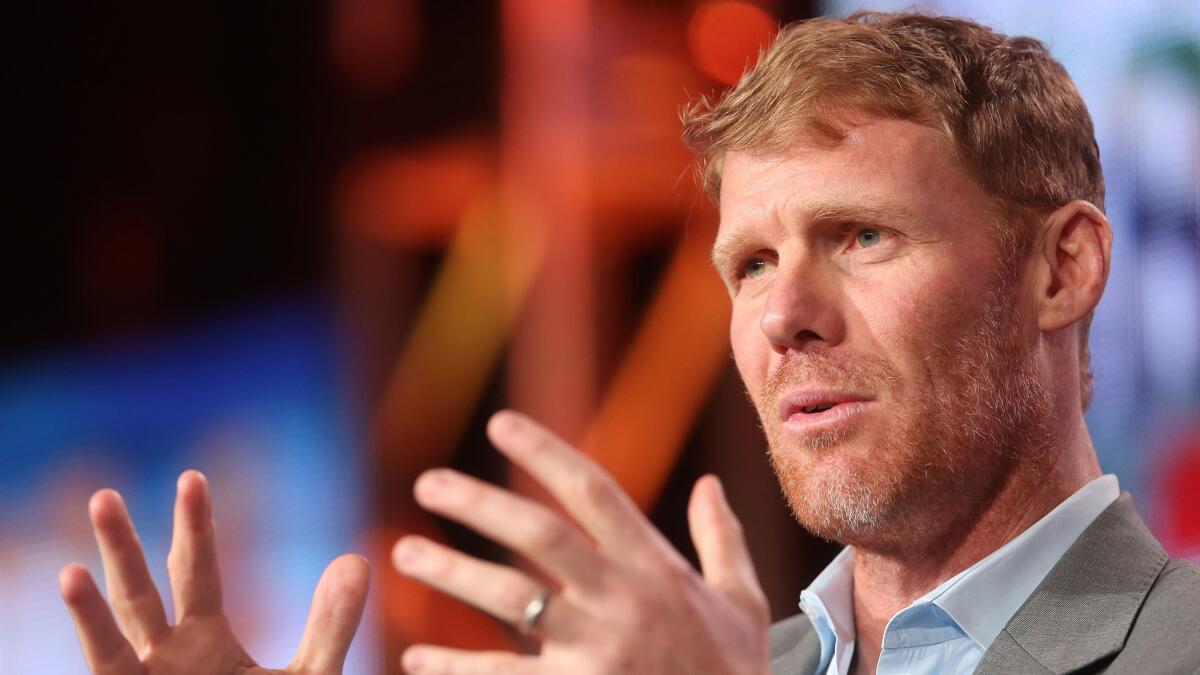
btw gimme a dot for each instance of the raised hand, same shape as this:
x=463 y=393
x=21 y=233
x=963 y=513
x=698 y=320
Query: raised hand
x=139 y=640
x=624 y=600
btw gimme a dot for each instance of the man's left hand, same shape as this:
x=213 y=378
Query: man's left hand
x=623 y=600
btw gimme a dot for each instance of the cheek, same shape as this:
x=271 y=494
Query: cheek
x=911 y=313
x=751 y=351
x=924 y=316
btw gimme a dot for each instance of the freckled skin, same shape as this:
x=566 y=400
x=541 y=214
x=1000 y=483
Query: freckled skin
x=919 y=320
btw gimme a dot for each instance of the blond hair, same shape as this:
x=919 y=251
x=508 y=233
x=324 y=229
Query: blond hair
x=1009 y=111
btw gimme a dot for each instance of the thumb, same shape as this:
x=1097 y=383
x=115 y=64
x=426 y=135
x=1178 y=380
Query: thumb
x=337 y=607
x=721 y=546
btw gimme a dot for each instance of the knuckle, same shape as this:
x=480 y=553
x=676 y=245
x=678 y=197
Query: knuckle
x=595 y=488
x=512 y=598
x=549 y=534
x=542 y=446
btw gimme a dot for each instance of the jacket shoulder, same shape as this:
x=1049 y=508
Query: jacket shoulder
x=1114 y=603
x=1166 y=632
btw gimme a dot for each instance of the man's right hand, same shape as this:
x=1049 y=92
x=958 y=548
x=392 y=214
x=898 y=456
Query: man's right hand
x=139 y=639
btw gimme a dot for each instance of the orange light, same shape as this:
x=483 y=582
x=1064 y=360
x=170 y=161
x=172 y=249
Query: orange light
x=415 y=613
x=725 y=37
x=459 y=336
x=666 y=376
x=416 y=197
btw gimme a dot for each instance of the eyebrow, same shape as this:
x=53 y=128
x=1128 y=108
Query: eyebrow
x=726 y=247
x=878 y=213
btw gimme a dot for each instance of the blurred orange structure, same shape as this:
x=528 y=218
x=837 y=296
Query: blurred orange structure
x=725 y=36
x=587 y=172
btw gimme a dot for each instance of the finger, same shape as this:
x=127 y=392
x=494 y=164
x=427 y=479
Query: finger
x=337 y=608
x=192 y=562
x=721 y=544
x=501 y=591
x=430 y=660
x=527 y=527
x=106 y=651
x=583 y=488
x=135 y=600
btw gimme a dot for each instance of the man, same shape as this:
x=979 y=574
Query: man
x=913 y=238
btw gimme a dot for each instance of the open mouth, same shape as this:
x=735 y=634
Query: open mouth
x=809 y=410
x=805 y=419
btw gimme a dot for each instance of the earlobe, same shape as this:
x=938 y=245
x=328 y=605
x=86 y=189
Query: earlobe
x=1075 y=253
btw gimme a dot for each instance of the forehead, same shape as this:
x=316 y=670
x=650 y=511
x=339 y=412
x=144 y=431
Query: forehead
x=881 y=164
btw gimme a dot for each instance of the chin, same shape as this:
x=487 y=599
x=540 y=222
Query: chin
x=840 y=495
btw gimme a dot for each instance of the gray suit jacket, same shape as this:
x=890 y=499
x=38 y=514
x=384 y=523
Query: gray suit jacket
x=1115 y=603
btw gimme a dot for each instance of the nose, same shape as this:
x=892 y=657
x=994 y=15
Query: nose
x=803 y=309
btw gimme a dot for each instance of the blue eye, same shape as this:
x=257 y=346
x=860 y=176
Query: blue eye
x=754 y=268
x=868 y=237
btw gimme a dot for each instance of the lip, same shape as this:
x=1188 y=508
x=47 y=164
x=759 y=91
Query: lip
x=844 y=406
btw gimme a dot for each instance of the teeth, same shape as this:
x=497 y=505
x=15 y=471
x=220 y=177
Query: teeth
x=817 y=408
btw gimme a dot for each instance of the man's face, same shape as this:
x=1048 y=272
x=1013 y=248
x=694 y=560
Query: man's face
x=888 y=352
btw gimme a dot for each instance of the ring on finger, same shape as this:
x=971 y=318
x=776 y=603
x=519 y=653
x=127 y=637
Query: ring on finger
x=533 y=612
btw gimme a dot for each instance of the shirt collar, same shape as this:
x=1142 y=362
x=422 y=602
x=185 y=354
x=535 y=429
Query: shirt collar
x=829 y=603
x=981 y=598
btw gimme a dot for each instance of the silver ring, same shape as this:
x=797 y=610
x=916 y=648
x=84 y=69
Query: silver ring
x=533 y=612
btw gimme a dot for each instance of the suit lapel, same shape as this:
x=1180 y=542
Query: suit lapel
x=805 y=655
x=1083 y=610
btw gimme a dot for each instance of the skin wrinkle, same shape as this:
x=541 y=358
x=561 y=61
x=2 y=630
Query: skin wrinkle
x=1003 y=107
x=999 y=410
x=957 y=454
x=839 y=210
x=977 y=347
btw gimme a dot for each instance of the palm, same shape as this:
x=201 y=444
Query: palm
x=207 y=646
x=201 y=642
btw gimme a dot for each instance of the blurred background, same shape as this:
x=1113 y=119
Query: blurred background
x=308 y=248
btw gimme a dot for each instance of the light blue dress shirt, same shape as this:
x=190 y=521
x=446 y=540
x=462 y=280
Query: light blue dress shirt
x=948 y=629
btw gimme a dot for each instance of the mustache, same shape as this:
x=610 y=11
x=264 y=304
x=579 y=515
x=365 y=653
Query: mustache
x=855 y=371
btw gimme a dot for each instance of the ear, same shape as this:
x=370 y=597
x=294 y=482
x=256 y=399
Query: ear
x=1074 y=256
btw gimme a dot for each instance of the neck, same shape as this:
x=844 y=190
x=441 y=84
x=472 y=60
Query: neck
x=887 y=581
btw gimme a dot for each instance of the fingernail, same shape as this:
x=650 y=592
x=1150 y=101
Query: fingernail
x=199 y=476
x=717 y=486
x=412 y=660
x=505 y=421
x=96 y=503
x=408 y=551
x=432 y=483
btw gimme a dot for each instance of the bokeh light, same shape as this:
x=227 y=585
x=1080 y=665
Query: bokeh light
x=725 y=37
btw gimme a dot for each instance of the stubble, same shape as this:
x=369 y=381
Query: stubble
x=949 y=443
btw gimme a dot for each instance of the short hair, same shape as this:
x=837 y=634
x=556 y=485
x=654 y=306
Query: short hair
x=1009 y=111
